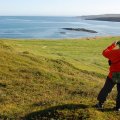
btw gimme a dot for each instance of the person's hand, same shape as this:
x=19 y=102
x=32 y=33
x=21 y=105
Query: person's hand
x=114 y=43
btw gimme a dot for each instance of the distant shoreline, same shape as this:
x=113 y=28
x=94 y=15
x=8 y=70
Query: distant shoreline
x=111 y=19
x=55 y=39
x=104 y=17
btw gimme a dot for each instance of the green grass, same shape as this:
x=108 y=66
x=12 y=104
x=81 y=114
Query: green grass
x=54 y=79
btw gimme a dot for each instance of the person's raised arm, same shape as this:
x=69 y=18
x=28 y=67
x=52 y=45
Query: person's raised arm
x=107 y=51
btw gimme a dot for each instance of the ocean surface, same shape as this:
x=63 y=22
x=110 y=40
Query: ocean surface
x=51 y=27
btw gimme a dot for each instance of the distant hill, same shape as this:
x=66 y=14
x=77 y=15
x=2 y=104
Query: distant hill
x=104 y=17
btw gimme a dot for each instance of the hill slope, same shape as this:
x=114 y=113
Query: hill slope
x=53 y=79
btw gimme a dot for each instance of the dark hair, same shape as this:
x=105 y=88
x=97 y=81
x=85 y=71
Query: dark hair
x=118 y=43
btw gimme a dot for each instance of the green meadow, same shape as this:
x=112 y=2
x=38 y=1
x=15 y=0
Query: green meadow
x=54 y=79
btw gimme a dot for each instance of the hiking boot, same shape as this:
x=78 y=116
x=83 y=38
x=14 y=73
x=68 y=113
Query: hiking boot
x=116 y=109
x=99 y=106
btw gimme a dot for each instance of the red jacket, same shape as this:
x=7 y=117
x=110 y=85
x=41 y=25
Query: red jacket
x=113 y=55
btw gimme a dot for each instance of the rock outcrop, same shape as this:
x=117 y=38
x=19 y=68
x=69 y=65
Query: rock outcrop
x=80 y=29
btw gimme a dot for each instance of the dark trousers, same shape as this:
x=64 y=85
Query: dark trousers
x=107 y=88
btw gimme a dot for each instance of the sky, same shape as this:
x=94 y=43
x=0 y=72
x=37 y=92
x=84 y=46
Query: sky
x=58 y=7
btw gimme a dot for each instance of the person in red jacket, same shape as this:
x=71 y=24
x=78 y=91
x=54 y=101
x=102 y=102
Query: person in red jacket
x=112 y=53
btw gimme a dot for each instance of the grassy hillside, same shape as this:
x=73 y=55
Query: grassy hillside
x=54 y=79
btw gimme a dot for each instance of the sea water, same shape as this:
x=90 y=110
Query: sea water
x=52 y=27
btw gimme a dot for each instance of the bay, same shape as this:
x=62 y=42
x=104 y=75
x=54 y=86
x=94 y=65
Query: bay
x=51 y=27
